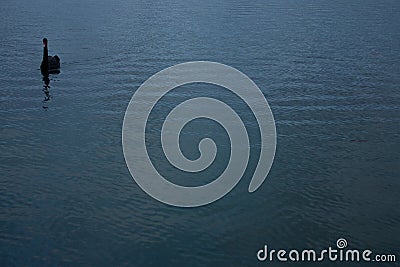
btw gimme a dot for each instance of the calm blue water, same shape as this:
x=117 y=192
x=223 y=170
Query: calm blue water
x=329 y=69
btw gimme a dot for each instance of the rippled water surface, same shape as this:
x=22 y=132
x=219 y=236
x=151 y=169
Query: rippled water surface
x=329 y=69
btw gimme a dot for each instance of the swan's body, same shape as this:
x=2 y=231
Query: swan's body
x=49 y=64
x=54 y=62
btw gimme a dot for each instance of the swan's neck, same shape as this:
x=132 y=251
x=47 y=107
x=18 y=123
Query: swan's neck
x=45 y=53
x=45 y=63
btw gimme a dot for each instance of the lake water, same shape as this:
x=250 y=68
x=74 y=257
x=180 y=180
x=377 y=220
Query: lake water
x=329 y=69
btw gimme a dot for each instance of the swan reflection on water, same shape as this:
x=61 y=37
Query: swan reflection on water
x=46 y=91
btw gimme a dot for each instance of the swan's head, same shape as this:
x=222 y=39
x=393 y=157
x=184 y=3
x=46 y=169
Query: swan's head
x=45 y=41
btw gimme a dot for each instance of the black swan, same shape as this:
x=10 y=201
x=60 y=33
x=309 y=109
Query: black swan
x=49 y=64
